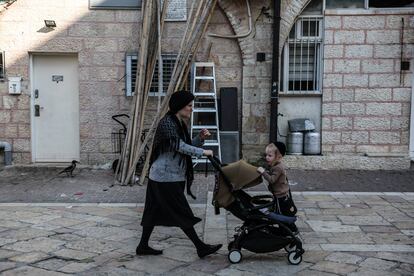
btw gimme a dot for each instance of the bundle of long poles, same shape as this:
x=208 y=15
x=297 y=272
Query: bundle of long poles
x=200 y=15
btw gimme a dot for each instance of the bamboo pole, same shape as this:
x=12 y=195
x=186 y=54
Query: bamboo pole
x=195 y=35
x=193 y=13
x=149 y=70
x=171 y=88
x=141 y=70
x=137 y=110
x=160 y=73
x=154 y=40
x=136 y=99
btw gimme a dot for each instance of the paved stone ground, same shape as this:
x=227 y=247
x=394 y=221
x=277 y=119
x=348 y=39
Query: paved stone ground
x=343 y=234
x=40 y=184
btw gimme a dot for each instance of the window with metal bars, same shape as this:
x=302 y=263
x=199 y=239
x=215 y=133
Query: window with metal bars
x=303 y=57
x=168 y=62
x=2 y=66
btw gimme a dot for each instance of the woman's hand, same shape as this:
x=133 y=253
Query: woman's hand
x=208 y=153
x=204 y=134
x=260 y=170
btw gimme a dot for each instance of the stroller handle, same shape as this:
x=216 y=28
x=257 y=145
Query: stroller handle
x=215 y=162
x=119 y=122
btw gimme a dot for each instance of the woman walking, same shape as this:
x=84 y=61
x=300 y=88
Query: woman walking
x=170 y=173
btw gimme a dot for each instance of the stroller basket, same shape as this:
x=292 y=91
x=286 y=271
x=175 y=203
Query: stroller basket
x=118 y=139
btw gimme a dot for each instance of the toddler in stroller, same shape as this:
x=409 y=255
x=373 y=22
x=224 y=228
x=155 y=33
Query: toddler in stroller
x=260 y=232
x=278 y=184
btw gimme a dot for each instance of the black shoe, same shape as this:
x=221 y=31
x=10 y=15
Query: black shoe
x=208 y=249
x=147 y=251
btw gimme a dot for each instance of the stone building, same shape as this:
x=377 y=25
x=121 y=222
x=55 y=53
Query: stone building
x=344 y=64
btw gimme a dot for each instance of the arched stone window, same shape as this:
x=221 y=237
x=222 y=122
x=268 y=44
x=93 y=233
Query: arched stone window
x=302 y=53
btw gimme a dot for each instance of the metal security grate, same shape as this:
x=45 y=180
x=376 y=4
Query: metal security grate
x=168 y=62
x=302 y=57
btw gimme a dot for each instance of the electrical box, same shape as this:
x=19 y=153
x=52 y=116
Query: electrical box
x=15 y=85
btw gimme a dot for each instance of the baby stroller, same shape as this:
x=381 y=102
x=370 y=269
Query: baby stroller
x=259 y=233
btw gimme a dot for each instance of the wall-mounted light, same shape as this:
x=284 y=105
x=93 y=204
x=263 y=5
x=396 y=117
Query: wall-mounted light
x=50 y=23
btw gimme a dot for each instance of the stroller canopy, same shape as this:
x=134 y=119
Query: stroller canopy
x=242 y=175
x=239 y=175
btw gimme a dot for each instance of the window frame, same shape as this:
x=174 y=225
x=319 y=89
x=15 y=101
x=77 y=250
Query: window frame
x=318 y=42
x=299 y=28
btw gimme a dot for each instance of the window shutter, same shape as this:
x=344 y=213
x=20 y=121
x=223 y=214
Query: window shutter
x=168 y=62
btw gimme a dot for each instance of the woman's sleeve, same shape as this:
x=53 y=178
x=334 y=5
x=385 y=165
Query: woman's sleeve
x=197 y=141
x=189 y=149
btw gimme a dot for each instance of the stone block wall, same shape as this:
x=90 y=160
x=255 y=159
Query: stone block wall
x=365 y=108
x=100 y=38
x=366 y=101
x=257 y=75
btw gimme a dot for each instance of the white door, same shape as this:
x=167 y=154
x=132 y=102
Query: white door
x=55 y=108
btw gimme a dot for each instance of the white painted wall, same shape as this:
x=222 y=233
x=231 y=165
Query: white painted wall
x=299 y=107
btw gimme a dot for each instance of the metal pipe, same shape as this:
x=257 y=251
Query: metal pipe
x=274 y=93
x=7 y=152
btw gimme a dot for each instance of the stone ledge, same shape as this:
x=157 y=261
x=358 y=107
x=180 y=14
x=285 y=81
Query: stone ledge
x=345 y=162
x=371 y=11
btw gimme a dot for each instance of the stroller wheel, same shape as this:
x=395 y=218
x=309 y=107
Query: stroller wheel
x=235 y=256
x=290 y=247
x=293 y=259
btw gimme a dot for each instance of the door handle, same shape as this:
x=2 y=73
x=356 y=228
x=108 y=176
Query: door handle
x=37 y=110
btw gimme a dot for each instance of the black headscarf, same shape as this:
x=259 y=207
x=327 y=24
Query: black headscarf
x=179 y=100
x=167 y=139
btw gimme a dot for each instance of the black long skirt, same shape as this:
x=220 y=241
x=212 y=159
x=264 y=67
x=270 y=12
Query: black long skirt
x=166 y=205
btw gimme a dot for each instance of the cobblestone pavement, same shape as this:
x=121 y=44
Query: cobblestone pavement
x=38 y=184
x=343 y=234
x=41 y=184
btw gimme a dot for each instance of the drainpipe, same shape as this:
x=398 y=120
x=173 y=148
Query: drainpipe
x=411 y=149
x=274 y=93
x=7 y=152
